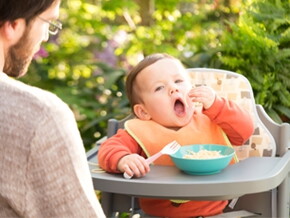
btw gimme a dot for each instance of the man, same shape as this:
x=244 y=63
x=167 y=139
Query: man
x=43 y=167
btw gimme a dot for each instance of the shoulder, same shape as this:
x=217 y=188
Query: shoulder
x=29 y=98
x=32 y=109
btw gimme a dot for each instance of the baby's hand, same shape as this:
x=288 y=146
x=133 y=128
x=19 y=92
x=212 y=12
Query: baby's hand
x=204 y=95
x=133 y=165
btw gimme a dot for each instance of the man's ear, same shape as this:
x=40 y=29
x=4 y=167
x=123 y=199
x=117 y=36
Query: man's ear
x=141 y=112
x=12 y=31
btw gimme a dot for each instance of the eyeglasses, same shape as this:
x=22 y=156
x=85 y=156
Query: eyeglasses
x=54 y=26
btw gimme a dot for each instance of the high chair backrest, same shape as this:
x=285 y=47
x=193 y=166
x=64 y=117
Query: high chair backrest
x=236 y=87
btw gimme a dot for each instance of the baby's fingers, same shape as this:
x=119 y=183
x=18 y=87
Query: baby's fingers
x=134 y=165
x=204 y=95
x=140 y=168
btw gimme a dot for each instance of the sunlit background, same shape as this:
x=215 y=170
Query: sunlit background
x=86 y=63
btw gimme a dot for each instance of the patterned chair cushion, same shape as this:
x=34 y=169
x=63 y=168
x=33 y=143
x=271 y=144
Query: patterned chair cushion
x=237 y=88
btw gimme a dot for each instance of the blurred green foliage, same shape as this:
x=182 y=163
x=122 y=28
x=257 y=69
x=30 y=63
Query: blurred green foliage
x=101 y=39
x=258 y=46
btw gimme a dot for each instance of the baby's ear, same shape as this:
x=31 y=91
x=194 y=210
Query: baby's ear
x=141 y=112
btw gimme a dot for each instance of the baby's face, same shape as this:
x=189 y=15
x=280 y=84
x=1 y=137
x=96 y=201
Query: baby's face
x=164 y=88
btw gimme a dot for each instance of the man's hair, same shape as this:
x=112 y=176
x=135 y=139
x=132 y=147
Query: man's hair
x=131 y=91
x=11 y=10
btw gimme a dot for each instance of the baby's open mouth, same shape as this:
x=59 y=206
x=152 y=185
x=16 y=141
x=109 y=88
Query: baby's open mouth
x=179 y=107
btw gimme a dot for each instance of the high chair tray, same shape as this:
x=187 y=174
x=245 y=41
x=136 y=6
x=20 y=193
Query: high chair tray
x=252 y=175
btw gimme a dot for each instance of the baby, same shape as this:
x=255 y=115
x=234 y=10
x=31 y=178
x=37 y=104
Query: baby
x=163 y=101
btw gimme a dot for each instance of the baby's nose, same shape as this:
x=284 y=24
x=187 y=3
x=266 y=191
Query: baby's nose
x=173 y=90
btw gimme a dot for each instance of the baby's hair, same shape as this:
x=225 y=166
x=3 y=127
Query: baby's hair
x=131 y=92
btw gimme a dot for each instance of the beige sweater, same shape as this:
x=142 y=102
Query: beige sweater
x=43 y=167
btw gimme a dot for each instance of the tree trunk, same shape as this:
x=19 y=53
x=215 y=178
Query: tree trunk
x=146 y=10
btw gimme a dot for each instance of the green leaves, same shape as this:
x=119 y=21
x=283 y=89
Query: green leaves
x=258 y=47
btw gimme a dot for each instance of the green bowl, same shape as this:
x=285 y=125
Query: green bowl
x=203 y=166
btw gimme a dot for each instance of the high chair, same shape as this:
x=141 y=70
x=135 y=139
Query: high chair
x=268 y=140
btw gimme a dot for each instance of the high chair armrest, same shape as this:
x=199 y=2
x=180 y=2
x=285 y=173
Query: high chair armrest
x=101 y=140
x=92 y=153
x=280 y=132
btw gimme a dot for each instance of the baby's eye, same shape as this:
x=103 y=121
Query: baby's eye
x=178 y=81
x=158 y=88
